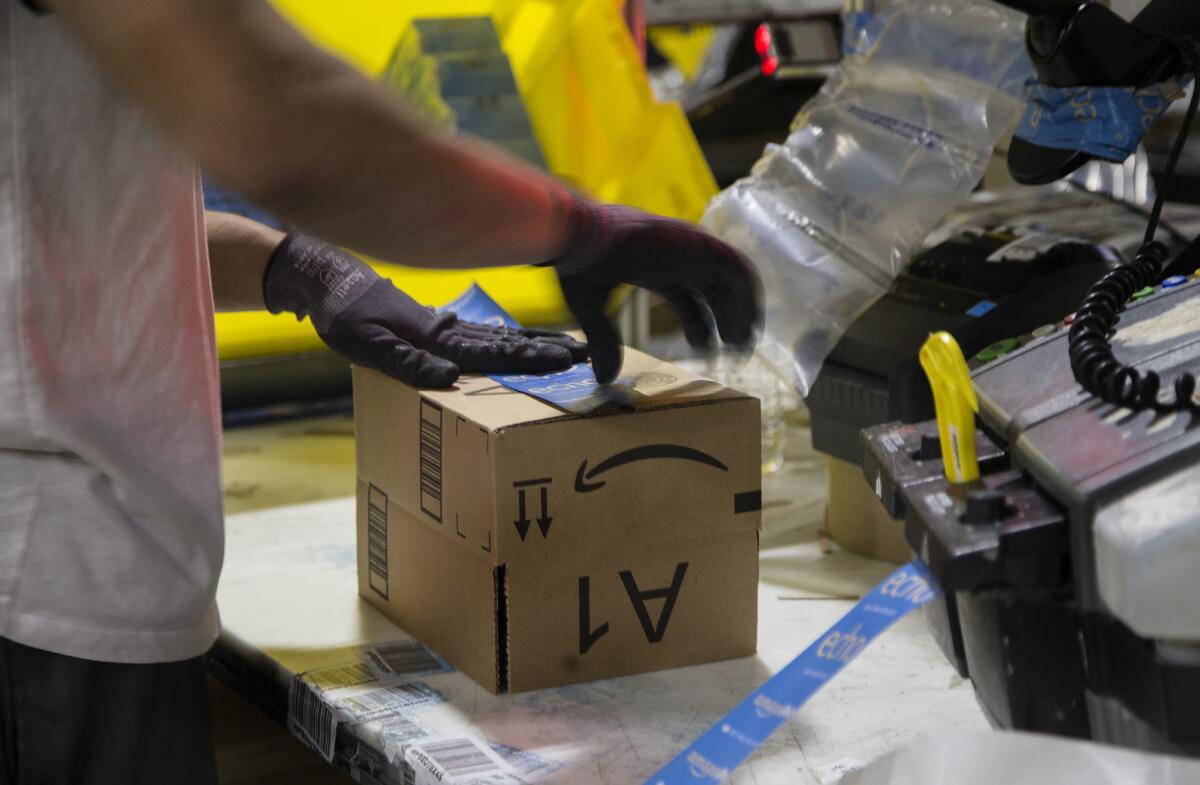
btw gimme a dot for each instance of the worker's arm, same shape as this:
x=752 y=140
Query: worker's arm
x=238 y=252
x=305 y=135
x=362 y=316
x=311 y=139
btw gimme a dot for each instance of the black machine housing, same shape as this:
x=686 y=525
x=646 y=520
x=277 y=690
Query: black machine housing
x=1072 y=598
x=983 y=285
x=1026 y=615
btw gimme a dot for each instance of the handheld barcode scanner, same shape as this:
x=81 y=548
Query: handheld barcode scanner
x=1080 y=43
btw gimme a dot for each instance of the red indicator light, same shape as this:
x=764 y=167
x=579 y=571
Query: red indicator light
x=762 y=40
x=769 y=65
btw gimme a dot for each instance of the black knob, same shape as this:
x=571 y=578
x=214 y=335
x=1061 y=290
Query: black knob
x=984 y=507
x=930 y=449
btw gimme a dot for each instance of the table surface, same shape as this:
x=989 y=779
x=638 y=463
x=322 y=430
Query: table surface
x=289 y=604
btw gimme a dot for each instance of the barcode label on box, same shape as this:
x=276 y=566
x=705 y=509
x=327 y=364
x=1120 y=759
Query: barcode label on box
x=377 y=541
x=340 y=676
x=404 y=658
x=431 y=460
x=310 y=720
x=459 y=760
x=381 y=701
x=526 y=766
x=401 y=730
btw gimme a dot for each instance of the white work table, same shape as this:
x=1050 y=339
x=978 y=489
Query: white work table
x=289 y=604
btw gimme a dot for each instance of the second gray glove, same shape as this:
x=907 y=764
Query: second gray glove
x=696 y=273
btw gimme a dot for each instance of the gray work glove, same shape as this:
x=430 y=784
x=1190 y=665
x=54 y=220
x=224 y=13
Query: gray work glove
x=371 y=323
x=689 y=268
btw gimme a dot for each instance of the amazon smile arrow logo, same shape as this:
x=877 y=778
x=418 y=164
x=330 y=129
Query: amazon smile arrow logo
x=649 y=452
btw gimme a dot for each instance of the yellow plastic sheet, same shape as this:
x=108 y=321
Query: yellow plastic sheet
x=684 y=46
x=591 y=108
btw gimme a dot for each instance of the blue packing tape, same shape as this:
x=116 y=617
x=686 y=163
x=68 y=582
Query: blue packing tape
x=714 y=756
x=1106 y=122
x=476 y=305
x=574 y=389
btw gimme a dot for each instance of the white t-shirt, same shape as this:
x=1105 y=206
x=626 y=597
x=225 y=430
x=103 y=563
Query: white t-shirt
x=111 y=535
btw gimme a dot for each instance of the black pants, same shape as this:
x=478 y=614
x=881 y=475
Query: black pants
x=66 y=721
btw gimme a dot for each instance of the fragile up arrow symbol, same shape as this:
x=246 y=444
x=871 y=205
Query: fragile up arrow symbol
x=523 y=521
x=545 y=520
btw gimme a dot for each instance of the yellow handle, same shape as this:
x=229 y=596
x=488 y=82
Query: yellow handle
x=954 y=397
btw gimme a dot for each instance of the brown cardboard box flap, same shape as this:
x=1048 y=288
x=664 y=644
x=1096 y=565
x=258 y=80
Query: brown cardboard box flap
x=686 y=457
x=443 y=595
x=656 y=385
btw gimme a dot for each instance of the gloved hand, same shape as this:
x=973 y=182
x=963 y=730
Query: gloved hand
x=692 y=270
x=370 y=322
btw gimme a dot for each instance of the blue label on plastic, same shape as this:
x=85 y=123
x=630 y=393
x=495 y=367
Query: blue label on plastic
x=1107 y=122
x=980 y=308
x=574 y=389
x=859 y=31
x=714 y=756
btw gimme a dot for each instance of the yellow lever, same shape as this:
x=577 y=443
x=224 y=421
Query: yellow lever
x=954 y=397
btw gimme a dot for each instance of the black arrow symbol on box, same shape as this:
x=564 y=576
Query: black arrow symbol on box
x=645 y=453
x=522 y=521
x=545 y=520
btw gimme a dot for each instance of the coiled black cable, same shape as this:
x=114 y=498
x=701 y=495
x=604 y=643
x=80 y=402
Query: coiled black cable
x=1095 y=366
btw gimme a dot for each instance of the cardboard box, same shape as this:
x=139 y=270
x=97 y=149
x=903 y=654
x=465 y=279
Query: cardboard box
x=856 y=520
x=533 y=548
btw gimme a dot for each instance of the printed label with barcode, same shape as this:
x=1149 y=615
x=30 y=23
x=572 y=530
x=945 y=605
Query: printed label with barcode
x=340 y=676
x=431 y=460
x=525 y=765
x=404 y=658
x=459 y=760
x=381 y=701
x=310 y=720
x=400 y=730
x=377 y=541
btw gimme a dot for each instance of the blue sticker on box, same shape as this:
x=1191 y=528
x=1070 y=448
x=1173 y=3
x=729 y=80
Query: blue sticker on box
x=574 y=389
x=714 y=756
